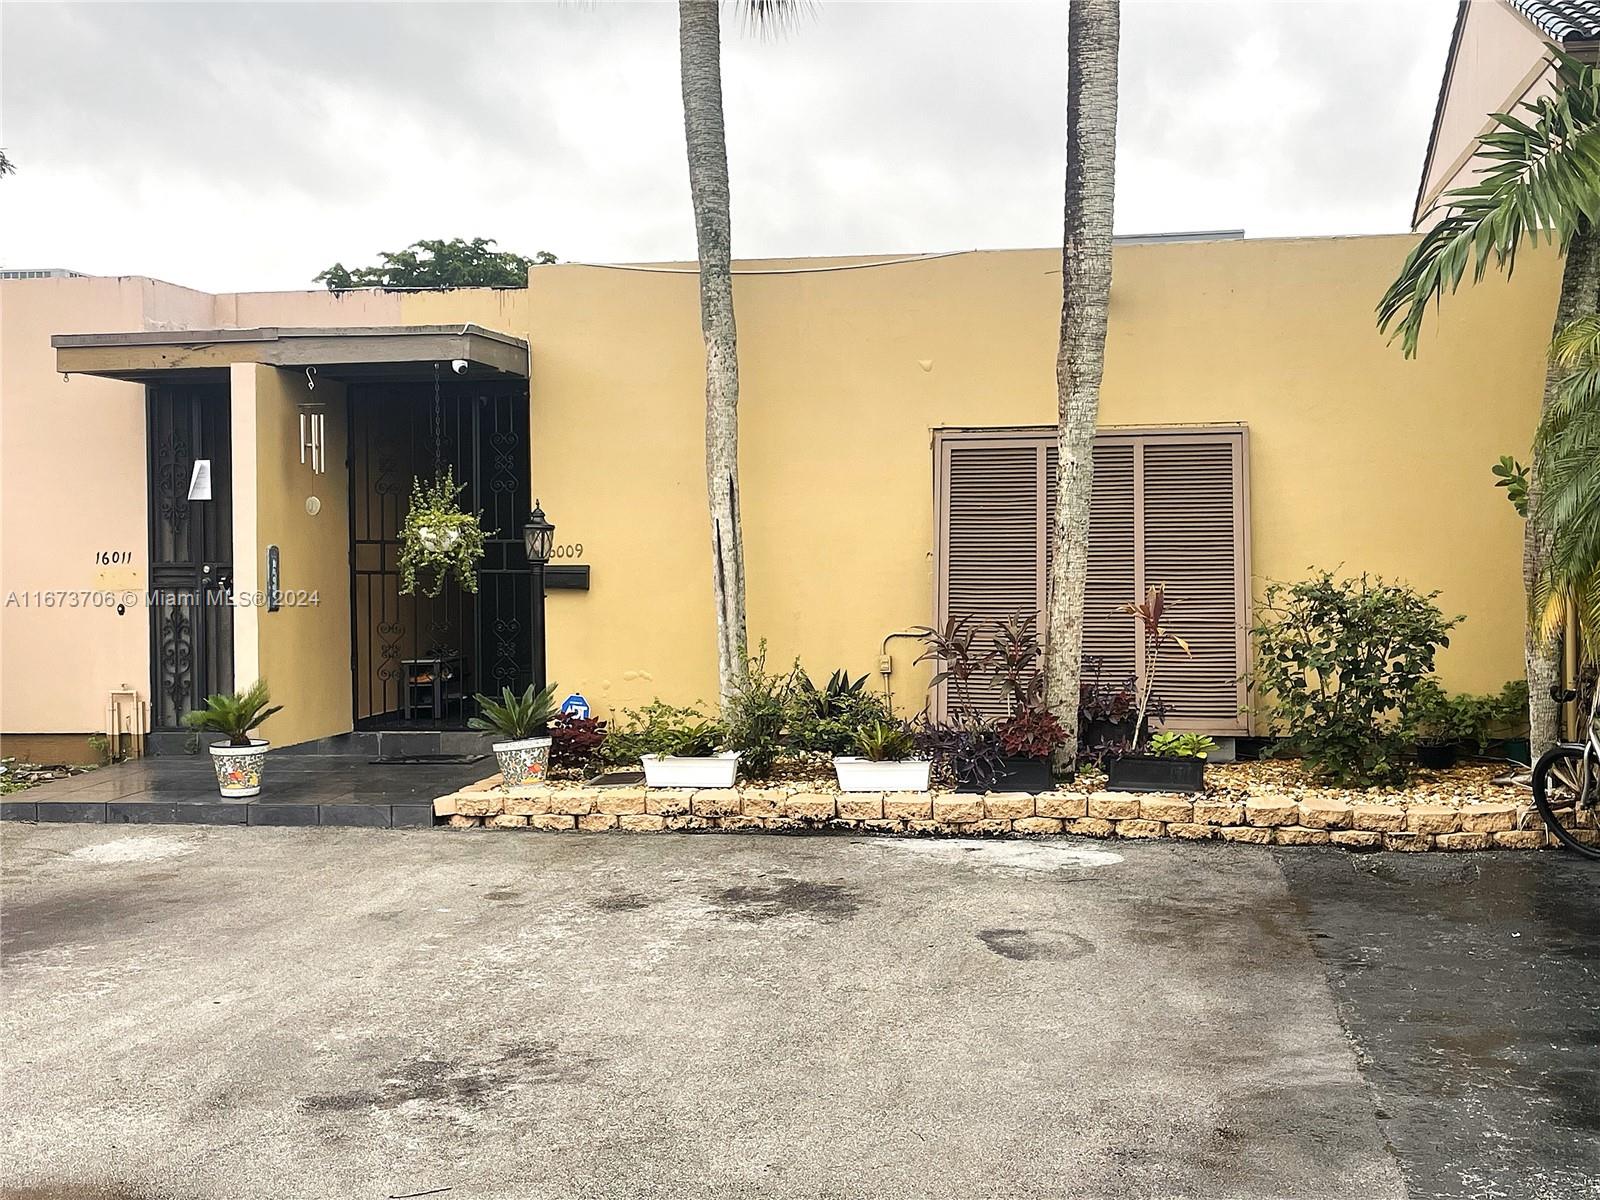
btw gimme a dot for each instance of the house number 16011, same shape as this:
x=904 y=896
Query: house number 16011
x=104 y=558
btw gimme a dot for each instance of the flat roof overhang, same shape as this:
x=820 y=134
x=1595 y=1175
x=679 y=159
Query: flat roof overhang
x=393 y=352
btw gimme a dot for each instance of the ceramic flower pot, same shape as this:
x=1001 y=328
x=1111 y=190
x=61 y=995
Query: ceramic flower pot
x=523 y=762
x=239 y=768
x=864 y=775
x=671 y=770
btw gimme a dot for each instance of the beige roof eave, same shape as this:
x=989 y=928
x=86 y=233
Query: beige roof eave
x=349 y=353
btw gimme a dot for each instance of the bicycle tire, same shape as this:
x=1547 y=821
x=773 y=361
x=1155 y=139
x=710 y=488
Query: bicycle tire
x=1555 y=780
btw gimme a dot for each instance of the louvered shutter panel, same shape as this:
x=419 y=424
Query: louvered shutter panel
x=991 y=534
x=1192 y=535
x=1168 y=507
x=1107 y=635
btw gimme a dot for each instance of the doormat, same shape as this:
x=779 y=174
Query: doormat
x=427 y=760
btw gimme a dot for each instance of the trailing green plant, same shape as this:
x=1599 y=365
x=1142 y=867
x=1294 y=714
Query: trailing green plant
x=886 y=741
x=1513 y=476
x=759 y=716
x=438 y=538
x=1338 y=661
x=575 y=742
x=662 y=729
x=515 y=717
x=234 y=714
x=1171 y=744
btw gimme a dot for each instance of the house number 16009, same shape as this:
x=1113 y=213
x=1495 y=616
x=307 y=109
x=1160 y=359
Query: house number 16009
x=105 y=558
x=575 y=550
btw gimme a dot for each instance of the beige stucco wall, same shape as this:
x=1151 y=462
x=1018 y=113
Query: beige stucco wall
x=303 y=649
x=1501 y=61
x=1358 y=457
x=72 y=483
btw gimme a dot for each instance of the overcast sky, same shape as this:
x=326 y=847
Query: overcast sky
x=240 y=147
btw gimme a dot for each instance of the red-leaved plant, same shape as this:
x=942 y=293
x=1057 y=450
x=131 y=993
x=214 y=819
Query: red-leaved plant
x=1149 y=615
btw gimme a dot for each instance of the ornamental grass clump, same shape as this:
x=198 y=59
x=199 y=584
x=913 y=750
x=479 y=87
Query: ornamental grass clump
x=1339 y=660
x=439 y=539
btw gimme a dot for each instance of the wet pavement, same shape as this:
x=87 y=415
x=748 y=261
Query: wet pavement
x=197 y=1013
x=1470 y=987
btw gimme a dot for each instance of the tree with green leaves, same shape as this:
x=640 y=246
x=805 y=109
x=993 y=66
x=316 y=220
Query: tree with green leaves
x=1538 y=180
x=700 y=70
x=1093 y=37
x=439 y=264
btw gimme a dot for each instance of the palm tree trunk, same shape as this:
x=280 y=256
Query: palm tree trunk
x=700 y=50
x=1580 y=296
x=1093 y=31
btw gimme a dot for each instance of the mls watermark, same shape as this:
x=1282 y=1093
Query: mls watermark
x=162 y=597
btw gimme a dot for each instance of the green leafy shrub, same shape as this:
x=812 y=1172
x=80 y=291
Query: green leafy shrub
x=1339 y=659
x=663 y=729
x=515 y=717
x=1435 y=718
x=1181 y=745
x=234 y=715
x=827 y=720
x=758 y=717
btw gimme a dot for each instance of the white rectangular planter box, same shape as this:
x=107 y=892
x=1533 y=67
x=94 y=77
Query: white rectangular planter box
x=717 y=771
x=864 y=775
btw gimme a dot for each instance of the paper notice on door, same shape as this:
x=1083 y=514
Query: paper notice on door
x=200 y=480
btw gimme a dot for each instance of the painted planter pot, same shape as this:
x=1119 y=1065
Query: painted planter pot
x=523 y=762
x=713 y=771
x=1155 y=773
x=239 y=768
x=864 y=775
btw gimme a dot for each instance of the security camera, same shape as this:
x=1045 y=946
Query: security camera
x=459 y=366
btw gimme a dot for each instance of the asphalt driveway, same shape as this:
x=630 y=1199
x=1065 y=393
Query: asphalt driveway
x=195 y=1013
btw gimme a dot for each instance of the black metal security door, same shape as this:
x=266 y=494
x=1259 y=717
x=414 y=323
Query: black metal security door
x=191 y=550
x=473 y=641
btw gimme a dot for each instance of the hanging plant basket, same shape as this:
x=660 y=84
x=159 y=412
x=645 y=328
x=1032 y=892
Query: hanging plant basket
x=439 y=541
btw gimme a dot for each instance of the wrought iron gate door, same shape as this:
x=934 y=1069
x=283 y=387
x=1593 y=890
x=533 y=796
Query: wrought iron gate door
x=475 y=641
x=191 y=550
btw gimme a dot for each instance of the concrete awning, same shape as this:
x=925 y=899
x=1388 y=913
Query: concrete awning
x=378 y=352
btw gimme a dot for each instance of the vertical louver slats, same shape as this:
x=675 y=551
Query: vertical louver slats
x=1190 y=543
x=1168 y=508
x=992 y=535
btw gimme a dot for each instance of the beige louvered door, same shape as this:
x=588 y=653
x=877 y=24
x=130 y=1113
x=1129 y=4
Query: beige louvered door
x=990 y=535
x=1192 y=529
x=1169 y=507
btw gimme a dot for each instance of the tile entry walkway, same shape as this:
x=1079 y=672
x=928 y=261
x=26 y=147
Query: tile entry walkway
x=300 y=789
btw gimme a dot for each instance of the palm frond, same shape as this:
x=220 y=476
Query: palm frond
x=1539 y=177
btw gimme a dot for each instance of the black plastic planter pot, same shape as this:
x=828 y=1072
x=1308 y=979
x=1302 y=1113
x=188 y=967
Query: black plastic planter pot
x=1018 y=775
x=1436 y=757
x=1155 y=773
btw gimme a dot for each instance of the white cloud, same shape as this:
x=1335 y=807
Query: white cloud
x=248 y=146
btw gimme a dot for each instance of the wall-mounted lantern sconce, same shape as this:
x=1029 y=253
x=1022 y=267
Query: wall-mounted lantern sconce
x=313 y=422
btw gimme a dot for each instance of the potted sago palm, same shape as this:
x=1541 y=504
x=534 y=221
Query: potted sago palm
x=523 y=722
x=240 y=760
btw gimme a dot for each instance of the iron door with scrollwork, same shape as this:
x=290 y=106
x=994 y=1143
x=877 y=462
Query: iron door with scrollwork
x=191 y=550
x=399 y=432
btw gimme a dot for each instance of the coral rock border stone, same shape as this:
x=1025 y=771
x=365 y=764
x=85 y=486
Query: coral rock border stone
x=1259 y=820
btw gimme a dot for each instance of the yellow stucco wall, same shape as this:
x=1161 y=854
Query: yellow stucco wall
x=1358 y=457
x=303 y=649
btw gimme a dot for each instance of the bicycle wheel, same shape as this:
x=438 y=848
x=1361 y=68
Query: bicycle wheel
x=1566 y=789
